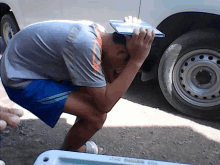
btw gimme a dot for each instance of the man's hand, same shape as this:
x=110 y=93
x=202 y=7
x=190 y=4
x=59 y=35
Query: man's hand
x=131 y=19
x=140 y=44
x=9 y=116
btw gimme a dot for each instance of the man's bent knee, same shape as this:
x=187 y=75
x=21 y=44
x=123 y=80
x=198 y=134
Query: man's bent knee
x=98 y=121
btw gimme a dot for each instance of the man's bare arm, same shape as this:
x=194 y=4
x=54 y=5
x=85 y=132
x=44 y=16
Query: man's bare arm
x=138 y=47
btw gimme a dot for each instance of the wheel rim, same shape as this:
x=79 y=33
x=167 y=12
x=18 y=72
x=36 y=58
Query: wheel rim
x=8 y=32
x=196 y=77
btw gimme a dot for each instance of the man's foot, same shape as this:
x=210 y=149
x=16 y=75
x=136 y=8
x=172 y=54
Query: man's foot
x=2 y=162
x=83 y=149
x=9 y=116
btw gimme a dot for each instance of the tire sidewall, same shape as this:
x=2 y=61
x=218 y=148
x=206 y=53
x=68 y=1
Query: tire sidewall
x=199 y=39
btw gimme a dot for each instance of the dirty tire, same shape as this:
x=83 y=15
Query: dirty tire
x=189 y=74
x=9 y=27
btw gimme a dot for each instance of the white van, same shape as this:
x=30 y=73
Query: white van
x=186 y=62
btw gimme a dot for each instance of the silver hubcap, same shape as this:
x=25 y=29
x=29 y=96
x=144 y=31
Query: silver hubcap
x=196 y=77
x=8 y=32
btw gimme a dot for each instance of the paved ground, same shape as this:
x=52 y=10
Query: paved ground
x=141 y=125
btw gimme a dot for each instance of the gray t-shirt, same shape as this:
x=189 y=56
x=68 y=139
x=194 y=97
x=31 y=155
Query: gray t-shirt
x=58 y=50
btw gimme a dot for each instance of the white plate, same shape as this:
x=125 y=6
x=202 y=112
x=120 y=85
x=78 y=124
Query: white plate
x=122 y=27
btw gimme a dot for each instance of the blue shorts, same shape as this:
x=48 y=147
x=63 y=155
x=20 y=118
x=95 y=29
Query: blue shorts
x=44 y=98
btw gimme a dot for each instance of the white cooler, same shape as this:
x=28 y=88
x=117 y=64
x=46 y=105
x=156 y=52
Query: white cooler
x=58 y=157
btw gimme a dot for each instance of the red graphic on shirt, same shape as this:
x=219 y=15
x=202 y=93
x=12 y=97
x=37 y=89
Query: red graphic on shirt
x=98 y=36
x=96 y=65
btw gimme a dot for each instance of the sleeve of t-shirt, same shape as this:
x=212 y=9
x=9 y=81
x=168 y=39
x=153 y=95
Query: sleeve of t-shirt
x=82 y=56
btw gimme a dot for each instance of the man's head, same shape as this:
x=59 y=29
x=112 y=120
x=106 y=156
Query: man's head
x=114 y=52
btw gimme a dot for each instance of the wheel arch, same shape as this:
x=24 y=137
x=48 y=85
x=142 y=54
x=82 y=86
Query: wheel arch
x=5 y=9
x=175 y=26
x=181 y=23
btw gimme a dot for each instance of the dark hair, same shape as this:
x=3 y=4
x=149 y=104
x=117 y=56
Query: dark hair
x=119 y=38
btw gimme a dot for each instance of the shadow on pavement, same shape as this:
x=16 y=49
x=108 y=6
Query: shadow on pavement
x=149 y=94
x=24 y=143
